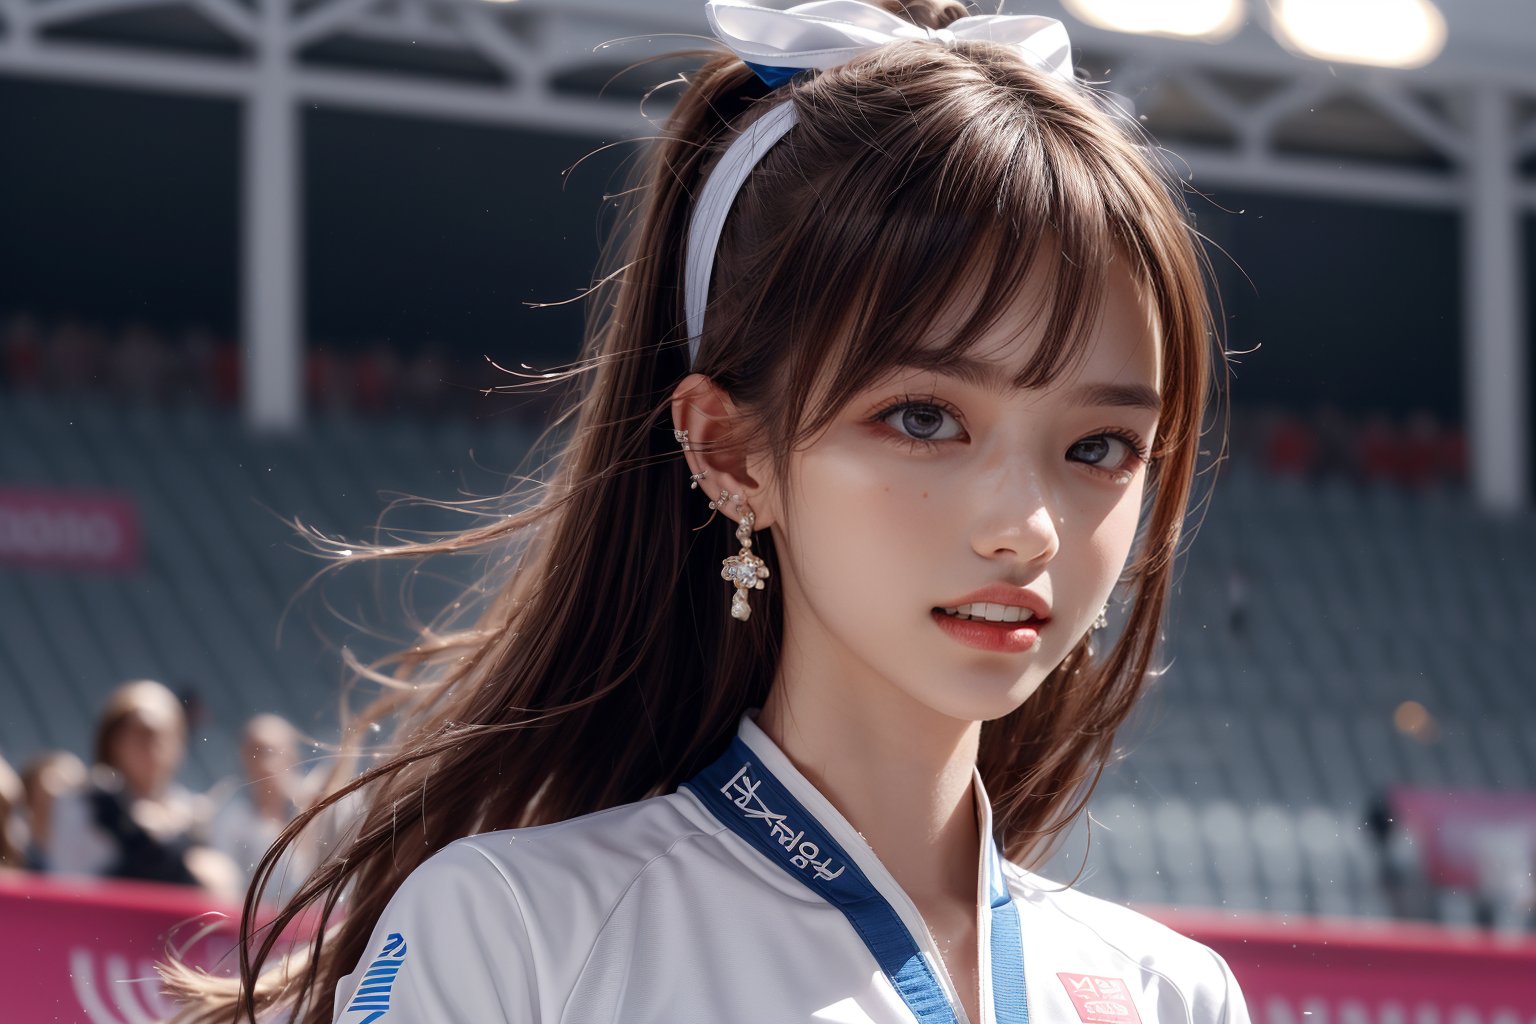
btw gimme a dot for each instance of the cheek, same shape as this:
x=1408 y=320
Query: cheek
x=859 y=499
x=1109 y=543
x=861 y=516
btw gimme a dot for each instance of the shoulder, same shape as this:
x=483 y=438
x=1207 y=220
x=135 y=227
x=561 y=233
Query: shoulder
x=559 y=883
x=526 y=905
x=1090 y=936
x=604 y=851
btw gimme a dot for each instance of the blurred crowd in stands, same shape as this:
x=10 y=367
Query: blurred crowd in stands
x=1417 y=452
x=124 y=815
x=141 y=365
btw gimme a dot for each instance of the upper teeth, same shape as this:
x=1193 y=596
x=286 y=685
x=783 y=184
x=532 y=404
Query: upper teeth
x=991 y=612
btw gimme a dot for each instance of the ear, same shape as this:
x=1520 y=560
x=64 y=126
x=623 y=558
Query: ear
x=715 y=447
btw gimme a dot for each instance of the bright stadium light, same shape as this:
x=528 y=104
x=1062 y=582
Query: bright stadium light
x=1209 y=20
x=1388 y=33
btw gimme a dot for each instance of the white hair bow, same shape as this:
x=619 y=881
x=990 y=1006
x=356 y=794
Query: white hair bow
x=822 y=34
x=826 y=33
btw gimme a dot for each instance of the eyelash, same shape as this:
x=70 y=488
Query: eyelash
x=906 y=402
x=1131 y=440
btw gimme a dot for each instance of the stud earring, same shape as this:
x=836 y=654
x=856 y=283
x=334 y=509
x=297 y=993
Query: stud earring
x=744 y=569
x=681 y=437
x=1102 y=622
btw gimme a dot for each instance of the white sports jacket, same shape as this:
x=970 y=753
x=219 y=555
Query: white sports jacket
x=745 y=897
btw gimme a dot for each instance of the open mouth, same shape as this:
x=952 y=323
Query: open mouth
x=989 y=612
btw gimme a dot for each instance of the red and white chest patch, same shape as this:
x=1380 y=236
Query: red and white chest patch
x=1100 y=1000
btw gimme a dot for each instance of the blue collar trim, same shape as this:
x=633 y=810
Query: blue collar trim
x=747 y=798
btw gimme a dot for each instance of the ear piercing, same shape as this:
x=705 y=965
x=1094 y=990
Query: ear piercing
x=1102 y=622
x=744 y=569
x=681 y=437
x=725 y=496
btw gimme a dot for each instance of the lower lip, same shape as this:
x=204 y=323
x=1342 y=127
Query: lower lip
x=1007 y=637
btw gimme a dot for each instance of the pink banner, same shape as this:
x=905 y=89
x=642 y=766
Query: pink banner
x=82 y=951
x=1312 y=971
x=1468 y=835
x=67 y=529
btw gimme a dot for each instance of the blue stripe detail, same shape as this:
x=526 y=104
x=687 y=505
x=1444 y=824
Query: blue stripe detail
x=377 y=981
x=746 y=797
x=765 y=815
x=771 y=76
x=1010 y=1000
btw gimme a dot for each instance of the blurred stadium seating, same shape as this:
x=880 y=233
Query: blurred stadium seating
x=215 y=610
x=1329 y=641
x=1377 y=642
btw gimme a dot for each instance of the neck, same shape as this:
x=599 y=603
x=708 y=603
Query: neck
x=900 y=774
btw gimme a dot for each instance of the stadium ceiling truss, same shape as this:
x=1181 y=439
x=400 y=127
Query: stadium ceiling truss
x=1246 y=115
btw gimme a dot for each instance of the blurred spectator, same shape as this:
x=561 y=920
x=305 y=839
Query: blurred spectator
x=12 y=839
x=1399 y=866
x=47 y=777
x=274 y=792
x=1506 y=890
x=133 y=820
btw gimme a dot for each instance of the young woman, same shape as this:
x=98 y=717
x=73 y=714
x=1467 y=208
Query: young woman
x=910 y=343
x=133 y=819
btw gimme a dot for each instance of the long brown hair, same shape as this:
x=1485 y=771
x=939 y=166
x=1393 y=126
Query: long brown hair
x=603 y=666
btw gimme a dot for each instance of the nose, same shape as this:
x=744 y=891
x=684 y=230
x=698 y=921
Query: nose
x=1017 y=522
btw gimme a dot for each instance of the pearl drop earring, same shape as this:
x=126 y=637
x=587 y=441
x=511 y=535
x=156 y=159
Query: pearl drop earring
x=746 y=570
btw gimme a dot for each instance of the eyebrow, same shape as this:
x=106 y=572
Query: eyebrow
x=985 y=375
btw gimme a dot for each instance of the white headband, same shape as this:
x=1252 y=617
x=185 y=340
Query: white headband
x=821 y=34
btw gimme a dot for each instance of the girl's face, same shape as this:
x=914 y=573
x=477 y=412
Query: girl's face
x=931 y=488
x=147 y=748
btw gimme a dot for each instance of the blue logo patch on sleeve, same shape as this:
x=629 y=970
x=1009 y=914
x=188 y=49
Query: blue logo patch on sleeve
x=372 y=996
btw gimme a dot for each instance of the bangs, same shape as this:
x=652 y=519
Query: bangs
x=925 y=244
x=928 y=204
